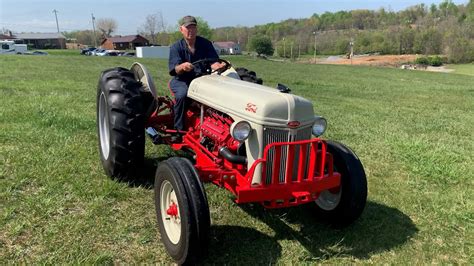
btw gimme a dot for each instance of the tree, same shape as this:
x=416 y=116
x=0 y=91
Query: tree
x=470 y=11
x=262 y=45
x=153 y=25
x=106 y=26
x=203 y=28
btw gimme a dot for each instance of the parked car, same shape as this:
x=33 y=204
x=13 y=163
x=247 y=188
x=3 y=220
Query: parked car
x=39 y=53
x=35 y=53
x=108 y=53
x=129 y=54
x=111 y=53
x=96 y=51
x=84 y=51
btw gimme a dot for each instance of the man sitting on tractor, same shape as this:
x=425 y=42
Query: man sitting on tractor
x=182 y=54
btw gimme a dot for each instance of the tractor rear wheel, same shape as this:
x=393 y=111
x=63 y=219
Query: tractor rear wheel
x=343 y=206
x=122 y=105
x=182 y=210
x=248 y=75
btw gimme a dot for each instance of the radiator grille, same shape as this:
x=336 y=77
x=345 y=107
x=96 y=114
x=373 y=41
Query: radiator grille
x=271 y=135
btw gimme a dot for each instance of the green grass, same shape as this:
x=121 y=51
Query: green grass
x=466 y=69
x=412 y=130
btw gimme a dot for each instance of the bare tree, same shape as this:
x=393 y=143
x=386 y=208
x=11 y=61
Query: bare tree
x=153 y=25
x=106 y=26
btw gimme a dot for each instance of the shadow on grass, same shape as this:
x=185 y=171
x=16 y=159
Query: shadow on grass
x=241 y=245
x=380 y=228
x=146 y=174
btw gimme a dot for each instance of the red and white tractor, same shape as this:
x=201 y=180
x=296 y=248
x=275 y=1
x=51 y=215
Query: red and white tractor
x=262 y=144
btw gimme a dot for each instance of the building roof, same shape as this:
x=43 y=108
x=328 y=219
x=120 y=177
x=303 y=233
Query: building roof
x=39 y=36
x=227 y=45
x=128 y=38
x=6 y=37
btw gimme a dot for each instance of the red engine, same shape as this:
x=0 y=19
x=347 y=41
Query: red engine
x=215 y=131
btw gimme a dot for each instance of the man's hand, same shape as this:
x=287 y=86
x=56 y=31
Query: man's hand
x=217 y=65
x=184 y=67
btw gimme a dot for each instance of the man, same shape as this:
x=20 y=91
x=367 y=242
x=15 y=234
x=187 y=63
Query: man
x=182 y=54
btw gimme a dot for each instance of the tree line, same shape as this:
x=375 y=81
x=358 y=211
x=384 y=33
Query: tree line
x=445 y=29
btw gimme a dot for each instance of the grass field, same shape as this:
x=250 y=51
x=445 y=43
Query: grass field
x=412 y=130
x=466 y=69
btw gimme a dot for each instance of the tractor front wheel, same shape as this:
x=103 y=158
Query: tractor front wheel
x=342 y=206
x=182 y=210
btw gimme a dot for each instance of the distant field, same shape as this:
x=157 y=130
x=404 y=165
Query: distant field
x=412 y=130
x=465 y=69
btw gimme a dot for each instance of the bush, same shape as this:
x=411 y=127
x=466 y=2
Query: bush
x=262 y=45
x=422 y=61
x=430 y=60
x=435 y=61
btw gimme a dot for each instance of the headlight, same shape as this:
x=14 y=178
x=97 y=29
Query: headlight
x=240 y=130
x=319 y=126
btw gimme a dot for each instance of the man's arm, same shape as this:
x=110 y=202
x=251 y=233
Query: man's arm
x=176 y=65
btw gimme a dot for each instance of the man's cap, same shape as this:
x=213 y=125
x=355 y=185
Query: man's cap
x=188 y=20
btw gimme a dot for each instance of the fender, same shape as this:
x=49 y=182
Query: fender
x=141 y=74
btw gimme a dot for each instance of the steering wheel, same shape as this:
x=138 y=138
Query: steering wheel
x=203 y=66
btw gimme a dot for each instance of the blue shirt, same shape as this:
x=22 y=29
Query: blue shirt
x=179 y=53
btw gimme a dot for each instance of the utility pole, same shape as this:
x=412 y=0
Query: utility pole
x=93 y=28
x=314 y=46
x=352 y=49
x=56 y=15
x=284 y=48
x=291 y=54
x=447 y=6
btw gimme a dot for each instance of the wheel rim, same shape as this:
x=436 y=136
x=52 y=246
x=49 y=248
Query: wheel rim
x=170 y=214
x=328 y=201
x=104 y=126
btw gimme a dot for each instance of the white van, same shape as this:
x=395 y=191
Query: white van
x=10 y=47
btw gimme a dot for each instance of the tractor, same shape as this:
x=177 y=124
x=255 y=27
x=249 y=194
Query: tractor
x=262 y=144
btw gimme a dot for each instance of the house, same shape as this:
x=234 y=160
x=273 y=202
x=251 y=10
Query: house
x=42 y=40
x=227 y=48
x=8 y=36
x=124 y=42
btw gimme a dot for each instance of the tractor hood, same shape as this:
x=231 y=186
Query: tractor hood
x=252 y=102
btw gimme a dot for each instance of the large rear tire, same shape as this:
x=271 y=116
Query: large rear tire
x=341 y=207
x=182 y=210
x=122 y=105
x=248 y=75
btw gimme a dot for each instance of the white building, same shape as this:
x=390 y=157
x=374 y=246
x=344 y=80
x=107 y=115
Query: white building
x=223 y=48
x=153 y=52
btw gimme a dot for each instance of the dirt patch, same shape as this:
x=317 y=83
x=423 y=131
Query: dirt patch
x=370 y=60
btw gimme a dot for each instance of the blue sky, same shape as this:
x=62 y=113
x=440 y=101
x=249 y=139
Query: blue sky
x=38 y=16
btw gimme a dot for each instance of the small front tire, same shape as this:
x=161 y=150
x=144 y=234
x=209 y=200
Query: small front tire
x=182 y=210
x=342 y=206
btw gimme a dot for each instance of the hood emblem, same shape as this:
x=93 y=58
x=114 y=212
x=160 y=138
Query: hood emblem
x=251 y=107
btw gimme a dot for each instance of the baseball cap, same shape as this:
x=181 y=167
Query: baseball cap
x=188 y=20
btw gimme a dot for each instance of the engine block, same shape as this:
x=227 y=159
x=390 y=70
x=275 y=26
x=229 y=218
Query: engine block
x=216 y=127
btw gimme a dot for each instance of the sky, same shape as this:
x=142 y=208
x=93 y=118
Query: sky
x=37 y=15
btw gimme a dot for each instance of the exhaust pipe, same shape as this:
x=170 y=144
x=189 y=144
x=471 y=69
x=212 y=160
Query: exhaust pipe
x=229 y=156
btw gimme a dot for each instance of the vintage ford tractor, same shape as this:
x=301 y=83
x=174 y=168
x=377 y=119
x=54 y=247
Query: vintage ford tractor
x=262 y=144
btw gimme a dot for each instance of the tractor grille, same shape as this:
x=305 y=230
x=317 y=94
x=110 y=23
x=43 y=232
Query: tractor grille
x=271 y=135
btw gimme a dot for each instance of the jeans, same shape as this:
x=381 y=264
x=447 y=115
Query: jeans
x=180 y=91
